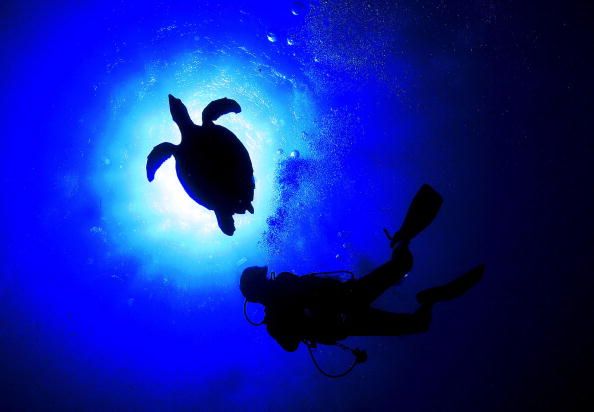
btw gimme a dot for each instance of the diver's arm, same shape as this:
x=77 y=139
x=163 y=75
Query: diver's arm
x=277 y=328
x=288 y=343
x=283 y=315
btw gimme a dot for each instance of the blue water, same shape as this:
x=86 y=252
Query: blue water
x=121 y=294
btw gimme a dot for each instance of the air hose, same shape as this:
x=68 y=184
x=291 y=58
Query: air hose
x=359 y=356
x=251 y=322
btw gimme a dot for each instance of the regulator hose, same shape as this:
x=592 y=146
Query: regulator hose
x=251 y=322
x=359 y=356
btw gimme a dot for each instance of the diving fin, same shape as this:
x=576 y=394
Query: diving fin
x=157 y=157
x=422 y=211
x=452 y=290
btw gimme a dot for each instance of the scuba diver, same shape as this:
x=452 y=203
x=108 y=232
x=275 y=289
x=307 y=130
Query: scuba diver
x=315 y=310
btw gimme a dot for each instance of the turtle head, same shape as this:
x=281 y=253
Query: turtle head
x=179 y=112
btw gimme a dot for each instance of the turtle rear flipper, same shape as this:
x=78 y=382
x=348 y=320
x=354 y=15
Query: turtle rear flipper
x=217 y=108
x=248 y=208
x=225 y=221
x=157 y=156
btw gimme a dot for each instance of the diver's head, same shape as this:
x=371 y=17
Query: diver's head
x=253 y=283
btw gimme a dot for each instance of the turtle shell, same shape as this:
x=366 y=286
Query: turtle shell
x=215 y=169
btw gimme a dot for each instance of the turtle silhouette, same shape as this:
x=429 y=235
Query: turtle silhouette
x=212 y=164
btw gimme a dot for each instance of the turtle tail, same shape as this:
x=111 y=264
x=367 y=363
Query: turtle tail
x=225 y=221
x=157 y=157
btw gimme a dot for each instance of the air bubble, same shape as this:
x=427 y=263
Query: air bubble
x=271 y=37
x=295 y=154
x=297 y=8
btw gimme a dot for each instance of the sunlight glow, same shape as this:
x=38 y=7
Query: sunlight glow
x=141 y=217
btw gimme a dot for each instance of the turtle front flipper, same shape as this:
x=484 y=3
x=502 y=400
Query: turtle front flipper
x=157 y=156
x=217 y=108
x=225 y=221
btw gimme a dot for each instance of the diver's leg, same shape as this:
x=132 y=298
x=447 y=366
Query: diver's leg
x=371 y=286
x=375 y=322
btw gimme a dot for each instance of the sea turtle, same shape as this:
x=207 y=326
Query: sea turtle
x=212 y=165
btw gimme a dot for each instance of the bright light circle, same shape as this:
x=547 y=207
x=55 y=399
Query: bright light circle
x=157 y=222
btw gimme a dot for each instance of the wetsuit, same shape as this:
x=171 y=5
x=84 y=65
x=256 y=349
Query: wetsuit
x=325 y=310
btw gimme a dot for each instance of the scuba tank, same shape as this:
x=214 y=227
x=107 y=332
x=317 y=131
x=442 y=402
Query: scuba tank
x=339 y=275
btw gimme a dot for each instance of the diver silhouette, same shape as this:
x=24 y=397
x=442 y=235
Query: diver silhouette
x=212 y=164
x=313 y=309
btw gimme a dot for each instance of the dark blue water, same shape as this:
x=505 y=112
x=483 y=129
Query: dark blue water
x=118 y=294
